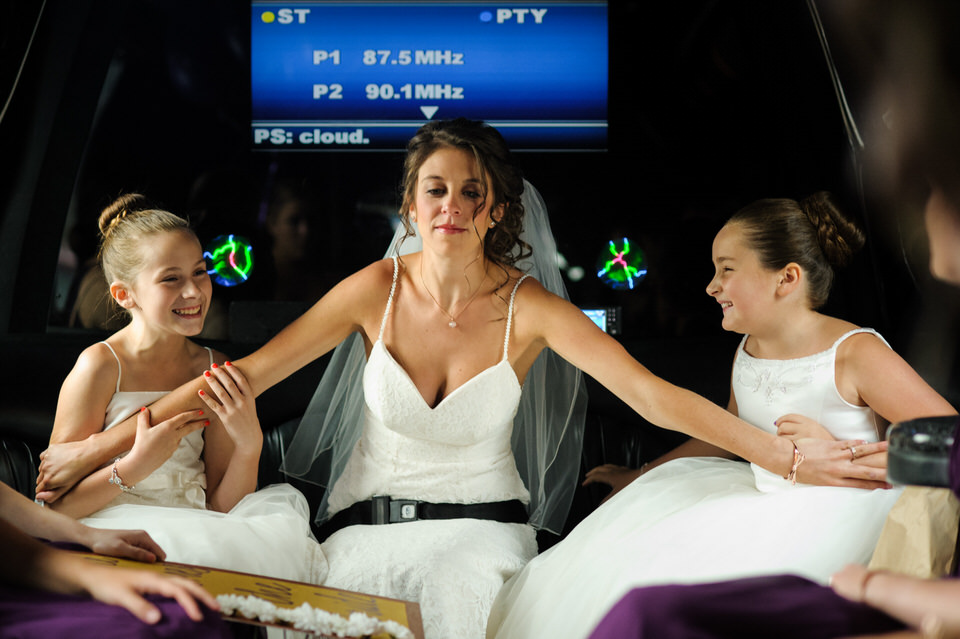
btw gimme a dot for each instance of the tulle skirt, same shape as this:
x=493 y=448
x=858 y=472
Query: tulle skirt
x=266 y=533
x=691 y=520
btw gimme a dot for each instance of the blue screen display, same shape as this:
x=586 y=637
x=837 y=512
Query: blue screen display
x=366 y=75
x=599 y=317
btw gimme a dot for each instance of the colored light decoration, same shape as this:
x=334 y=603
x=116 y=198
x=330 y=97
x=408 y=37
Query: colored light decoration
x=229 y=260
x=620 y=267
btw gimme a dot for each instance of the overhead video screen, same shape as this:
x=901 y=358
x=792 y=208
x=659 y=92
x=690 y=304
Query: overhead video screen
x=366 y=75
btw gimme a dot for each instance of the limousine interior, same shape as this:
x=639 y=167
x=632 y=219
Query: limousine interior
x=694 y=109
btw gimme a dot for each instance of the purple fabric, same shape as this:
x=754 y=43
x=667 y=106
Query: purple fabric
x=786 y=607
x=32 y=614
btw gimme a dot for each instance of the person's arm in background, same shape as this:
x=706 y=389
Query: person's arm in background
x=924 y=604
x=29 y=562
x=36 y=521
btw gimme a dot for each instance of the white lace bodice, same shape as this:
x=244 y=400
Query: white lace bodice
x=456 y=452
x=767 y=389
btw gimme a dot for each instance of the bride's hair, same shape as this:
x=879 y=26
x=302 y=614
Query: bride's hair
x=502 y=244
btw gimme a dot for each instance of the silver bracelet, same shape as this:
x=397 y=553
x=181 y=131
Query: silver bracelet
x=114 y=478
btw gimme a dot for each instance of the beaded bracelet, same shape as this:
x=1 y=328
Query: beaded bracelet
x=797 y=460
x=115 y=479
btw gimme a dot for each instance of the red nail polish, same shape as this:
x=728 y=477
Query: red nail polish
x=201 y=392
x=143 y=408
x=214 y=365
x=227 y=364
x=206 y=422
x=206 y=373
x=201 y=412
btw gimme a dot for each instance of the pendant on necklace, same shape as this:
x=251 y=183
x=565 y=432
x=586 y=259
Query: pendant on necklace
x=452 y=323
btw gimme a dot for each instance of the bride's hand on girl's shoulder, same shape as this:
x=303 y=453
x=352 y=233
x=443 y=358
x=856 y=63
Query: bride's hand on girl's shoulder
x=232 y=400
x=794 y=426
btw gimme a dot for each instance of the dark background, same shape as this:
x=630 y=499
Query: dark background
x=713 y=104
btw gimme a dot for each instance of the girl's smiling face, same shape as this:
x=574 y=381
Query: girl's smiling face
x=450 y=209
x=744 y=288
x=173 y=289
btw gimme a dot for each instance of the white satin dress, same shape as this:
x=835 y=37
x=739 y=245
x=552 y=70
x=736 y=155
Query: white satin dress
x=266 y=533
x=703 y=519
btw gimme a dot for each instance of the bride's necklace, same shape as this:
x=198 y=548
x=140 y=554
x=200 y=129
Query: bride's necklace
x=453 y=318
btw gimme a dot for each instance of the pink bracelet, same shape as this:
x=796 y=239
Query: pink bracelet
x=797 y=460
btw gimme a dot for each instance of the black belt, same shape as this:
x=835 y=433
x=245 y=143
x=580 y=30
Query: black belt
x=381 y=509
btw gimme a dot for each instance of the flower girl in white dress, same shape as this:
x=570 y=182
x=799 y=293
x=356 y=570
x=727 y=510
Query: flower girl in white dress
x=189 y=481
x=709 y=517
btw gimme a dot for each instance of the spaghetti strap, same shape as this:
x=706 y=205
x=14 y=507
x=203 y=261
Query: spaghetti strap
x=506 y=336
x=393 y=288
x=857 y=331
x=119 y=367
x=210 y=353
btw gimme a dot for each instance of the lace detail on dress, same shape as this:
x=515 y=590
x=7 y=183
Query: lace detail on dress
x=772 y=382
x=774 y=379
x=456 y=452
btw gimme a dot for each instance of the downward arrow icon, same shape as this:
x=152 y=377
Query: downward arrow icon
x=429 y=111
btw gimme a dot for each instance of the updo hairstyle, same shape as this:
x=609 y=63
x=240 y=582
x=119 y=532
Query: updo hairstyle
x=812 y=233
x=124 y=227
x=502 y=244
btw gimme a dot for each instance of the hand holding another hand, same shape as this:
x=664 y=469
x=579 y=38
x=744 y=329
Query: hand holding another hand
x=794 y=426
x=852 y=463
x=155 y=444
x=233 y=402
x=61 y=466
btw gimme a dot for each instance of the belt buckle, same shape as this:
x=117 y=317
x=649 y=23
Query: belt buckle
x=384 y=510
x=380 y=509
x=403 y=510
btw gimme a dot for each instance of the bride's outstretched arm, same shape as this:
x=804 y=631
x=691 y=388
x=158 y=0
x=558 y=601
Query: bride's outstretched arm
x=564 y=328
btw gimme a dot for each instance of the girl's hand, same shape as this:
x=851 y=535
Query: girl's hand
x=128 y=544
x=853 y=463
x=236 y=408
x=872 y=457
x=794 y=426
x=617 y=477
x=62 y=466
x=155 y=444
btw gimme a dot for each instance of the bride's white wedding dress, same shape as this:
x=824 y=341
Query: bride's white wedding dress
x=456 y=452
x=704 y=519
x=266 y=533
